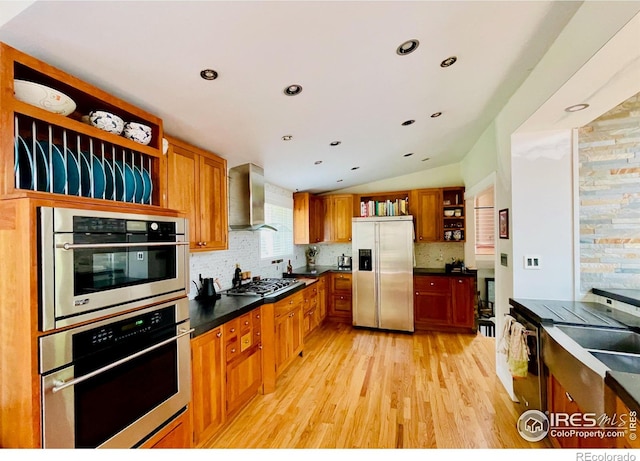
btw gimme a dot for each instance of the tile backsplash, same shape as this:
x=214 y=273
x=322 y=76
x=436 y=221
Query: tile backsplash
x=244 y=249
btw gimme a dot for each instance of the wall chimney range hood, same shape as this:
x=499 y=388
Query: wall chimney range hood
x=246 y=198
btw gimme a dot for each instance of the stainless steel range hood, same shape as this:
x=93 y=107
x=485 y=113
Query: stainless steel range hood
x=246 y=198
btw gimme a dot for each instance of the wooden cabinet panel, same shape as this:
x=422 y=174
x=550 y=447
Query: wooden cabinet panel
x=338 y=212
x=310 y=308
x=427 y=209
x=288 y=331
x=340 y=298
x=197 y=185
x=464 y=294
x=322 y=298
x=308 y=218
x=213 y=203
x=208 y=380
x=431 y=309
x=244 y=377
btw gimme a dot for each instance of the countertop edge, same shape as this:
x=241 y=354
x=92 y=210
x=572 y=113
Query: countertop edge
x=614 y=379
x=616 y=296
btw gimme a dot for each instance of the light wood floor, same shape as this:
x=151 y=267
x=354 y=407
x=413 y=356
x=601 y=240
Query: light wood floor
x=357 y=388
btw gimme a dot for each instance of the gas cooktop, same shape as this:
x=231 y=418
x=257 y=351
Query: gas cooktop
x=263 y=287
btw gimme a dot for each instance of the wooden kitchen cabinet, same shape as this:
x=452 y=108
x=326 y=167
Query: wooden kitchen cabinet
x=288 y=331
x=431 y=301
x=340 y=305
x=243 y=354
x=197 y=185
x=310 y=308
x=444 y=302
x=560 y=401
x=453 y=215
x=426 y=206
x=308 y=218
x=463 y=291
x=208 y=380
x=631 y=418
x=338 y=212
x=322 y=297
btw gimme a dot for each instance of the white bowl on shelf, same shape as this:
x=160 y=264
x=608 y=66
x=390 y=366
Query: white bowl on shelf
x=137 y=132
x=106 y=121
x=449 y=213
x=44 y=97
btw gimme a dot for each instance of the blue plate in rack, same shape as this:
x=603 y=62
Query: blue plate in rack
x=92 y=179
x=128 y=186
x=73 y=172
x=109 y=187
x=42 y=167
x=23 y=166
x=54 y=158
x=139 y=192
x=148 y=187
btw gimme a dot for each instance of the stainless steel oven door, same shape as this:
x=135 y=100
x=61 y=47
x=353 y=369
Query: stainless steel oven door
x=115 y=404
x=95 y=278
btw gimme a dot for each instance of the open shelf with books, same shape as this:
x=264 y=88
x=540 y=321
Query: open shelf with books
x=383 y=204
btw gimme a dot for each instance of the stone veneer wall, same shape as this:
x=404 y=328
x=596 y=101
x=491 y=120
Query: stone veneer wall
x=609 y=193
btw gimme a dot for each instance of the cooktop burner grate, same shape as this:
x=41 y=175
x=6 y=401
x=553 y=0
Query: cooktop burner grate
x=262 y=287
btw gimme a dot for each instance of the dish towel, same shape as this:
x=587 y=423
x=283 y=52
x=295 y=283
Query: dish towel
x=518 y=356
x=505 y=338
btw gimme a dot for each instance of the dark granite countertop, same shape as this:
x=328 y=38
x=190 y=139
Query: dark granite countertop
x=317 y=271
x=624 y=295
x=205 y=314
x=626 y=386
x=442 y=271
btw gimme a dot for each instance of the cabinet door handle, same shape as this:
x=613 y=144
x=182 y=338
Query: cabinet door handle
x=420 y=238
x=257 y=316
x=417 y=293
x=459 y=281
x=257 y=333
x=246 y=322
x=233 y=351
x=218 y=335
x=204 y=244
x=569 y=397
x=432 y=284
x=233 y=330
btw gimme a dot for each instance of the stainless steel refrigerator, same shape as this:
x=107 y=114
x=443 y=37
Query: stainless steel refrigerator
x=382 y=267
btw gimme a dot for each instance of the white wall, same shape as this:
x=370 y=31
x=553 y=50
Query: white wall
x=542 y=214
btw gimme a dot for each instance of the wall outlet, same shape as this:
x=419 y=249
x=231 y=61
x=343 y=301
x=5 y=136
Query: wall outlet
x=532 y=262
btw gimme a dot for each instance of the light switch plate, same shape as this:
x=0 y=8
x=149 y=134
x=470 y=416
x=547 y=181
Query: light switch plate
x=532 y=262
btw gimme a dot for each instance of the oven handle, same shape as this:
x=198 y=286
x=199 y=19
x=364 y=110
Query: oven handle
x=74 y=246
x=60 y=385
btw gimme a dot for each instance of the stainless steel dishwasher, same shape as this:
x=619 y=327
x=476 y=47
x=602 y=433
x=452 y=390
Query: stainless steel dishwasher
x=531 y=390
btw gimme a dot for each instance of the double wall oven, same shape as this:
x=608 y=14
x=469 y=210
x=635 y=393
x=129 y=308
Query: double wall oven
x=114 y=361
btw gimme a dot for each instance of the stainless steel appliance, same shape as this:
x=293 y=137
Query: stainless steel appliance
x=344 y=262
x=265 y=287
x=383 y=272
x=96 y=263
x=113 y=382
x=531 y=390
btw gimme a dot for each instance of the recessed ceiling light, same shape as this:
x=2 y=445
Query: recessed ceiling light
x=425 y=159
x=576 y=108
x=450 y=61
x=208 y=74
x=408 y=47
x=355 y=168
x=408 y=155
x=335 y=143
x=317 y=162
x=287 y=137
x=436 y=114
x=292 y=90
x=408 y=122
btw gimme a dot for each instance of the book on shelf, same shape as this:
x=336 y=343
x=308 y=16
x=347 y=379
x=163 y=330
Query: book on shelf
x=372 y=208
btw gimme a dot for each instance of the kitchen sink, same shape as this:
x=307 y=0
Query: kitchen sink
x=603 y=339
x=629 y=363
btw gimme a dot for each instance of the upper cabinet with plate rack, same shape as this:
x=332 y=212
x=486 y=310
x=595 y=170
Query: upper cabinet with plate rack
x=48 y=145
